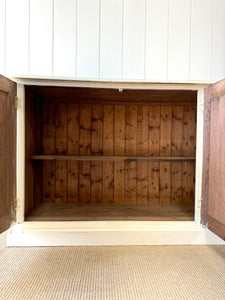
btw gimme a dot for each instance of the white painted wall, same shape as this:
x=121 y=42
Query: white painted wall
x=165 y=40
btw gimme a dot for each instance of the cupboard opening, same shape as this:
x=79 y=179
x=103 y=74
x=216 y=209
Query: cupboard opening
x=105 y=154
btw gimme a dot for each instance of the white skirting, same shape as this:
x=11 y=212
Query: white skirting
x=110 y=233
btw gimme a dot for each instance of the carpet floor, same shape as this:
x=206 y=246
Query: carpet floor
x=127 y=272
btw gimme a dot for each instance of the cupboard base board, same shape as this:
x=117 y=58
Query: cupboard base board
x=111 y=212
x=105 y=233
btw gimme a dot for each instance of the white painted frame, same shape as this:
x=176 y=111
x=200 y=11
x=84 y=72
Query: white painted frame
x=108 y=232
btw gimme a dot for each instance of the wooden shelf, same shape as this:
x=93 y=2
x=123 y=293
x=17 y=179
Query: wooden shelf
x=113 y=158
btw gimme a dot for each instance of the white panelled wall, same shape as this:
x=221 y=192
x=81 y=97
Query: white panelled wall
x=152 y=40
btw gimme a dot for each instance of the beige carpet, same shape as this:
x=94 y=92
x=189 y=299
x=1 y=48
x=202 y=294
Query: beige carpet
x=134 y=272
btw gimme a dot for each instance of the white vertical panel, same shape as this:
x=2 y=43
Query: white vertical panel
x=179 y=39
x=64 y=38
x=2 y=36
x=41 y=12
x=134 y=39
x=201 y=40
x=156 y=39
x=218 y=59
x=111 y=39
x=17 y=36
x=88 y=38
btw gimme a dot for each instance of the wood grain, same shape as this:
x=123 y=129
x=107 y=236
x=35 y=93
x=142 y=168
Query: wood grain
x=117 y=153
x=108 y=149
x=48 y=134
x=73 y=149
x=61 y=140
x=206 y=145
x=131 y=149
x=177 y=150
x=85 y=149
x=119 y=149
x=154 y=130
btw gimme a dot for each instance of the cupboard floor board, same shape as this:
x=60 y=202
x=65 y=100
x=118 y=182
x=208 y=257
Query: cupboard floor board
x=111 y=212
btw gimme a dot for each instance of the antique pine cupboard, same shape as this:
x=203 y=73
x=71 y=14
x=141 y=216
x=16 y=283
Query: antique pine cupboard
x=100 y=163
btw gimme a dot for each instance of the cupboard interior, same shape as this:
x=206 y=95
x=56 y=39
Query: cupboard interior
x=105 y=154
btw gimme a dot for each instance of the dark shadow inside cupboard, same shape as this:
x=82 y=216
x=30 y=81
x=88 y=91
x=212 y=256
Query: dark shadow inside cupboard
x=104 y=154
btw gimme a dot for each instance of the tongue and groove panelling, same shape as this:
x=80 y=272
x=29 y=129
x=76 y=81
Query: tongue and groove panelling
x=115 y=39
x=120 y=130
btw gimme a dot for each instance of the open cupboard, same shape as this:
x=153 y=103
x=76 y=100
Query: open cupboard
x=105 y=154
x=99 y=162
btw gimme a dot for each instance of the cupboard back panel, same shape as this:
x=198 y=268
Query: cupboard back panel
x=120 y=130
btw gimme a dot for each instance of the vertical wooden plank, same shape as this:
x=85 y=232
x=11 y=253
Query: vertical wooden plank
x=130 y=182
x=2 y=36
x=88 y=38
x=165 y=150
x=142 y=130
x=120 y=131
x=73 y=129
x=108 y=130
x=72 y=181
x=85 y=129
x=61 y=148
x=154 y=130
x=177 y=183
x=165 y=130
x=108 y=149
x=73 y=148
x=131 y=130
x=218 y=57
x=108 y=181
x=41 y=12
x=134 y=39
x=119 y=182
x=189 y=149
x=84 y=181
x=48 y=132
x=96 y=149
x=156 y=39
x=61 y=129
x=48 y=138
x=177 y=131
x=188 y=183
x=153 y=182
x=177 y=150
x=154 y=142
x=97 y=130
x=179 y=39
x=64 y=61
x=189 y=136
x=60 y=182
x=119 y=167
x=131 y=149
x=111 y=39
x=142 y=182
x=201 y=40
x=85 y=149
x=142 y=150
x=17 y=12
x=165 y=184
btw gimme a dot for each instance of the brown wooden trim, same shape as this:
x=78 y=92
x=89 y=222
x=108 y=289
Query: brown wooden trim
x=217 y=227
x=218 y=89
x=206 y=141
x=112 y=158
